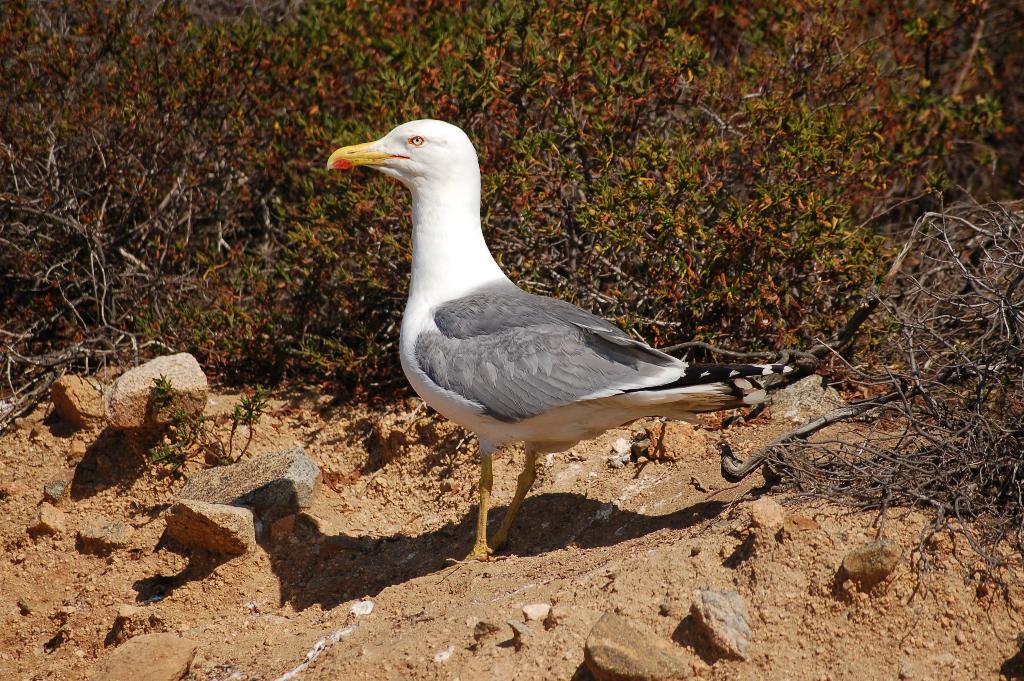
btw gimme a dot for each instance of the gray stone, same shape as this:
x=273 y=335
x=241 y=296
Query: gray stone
x=212 y=527
x=273 y=485
x=54 y=490
x=128 y=402
x=807 y=399
x=101 y=536
x=151 y=657
x=722 y=616
x=869 y=565
x=616 y=651
x=520 y=632
x=78 y=401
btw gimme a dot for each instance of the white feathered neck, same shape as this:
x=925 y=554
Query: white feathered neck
x=449 y=255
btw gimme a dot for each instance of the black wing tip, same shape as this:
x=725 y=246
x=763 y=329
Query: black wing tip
x=697 y=374
x=740 y=379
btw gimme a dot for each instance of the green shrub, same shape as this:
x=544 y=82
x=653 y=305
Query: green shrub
x=721 y=171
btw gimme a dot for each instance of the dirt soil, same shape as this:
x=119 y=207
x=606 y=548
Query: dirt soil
x=398 y=499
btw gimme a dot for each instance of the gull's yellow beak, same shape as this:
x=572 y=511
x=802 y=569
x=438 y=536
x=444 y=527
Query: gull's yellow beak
x=358 y=155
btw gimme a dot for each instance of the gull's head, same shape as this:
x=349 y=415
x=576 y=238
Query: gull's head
x=416 y=153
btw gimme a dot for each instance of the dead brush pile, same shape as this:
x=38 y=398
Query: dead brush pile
x=943 y=427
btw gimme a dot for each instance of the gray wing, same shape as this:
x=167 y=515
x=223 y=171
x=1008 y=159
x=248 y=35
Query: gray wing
x=518 y=355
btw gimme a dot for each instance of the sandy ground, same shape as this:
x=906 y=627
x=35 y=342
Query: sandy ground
x=398 y=499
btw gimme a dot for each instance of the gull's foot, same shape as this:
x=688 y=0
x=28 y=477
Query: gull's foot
x=479 y=552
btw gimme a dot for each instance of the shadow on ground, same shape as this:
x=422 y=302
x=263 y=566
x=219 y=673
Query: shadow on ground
x=1013 y=668
x=330 y=569
x=114 y=459
x=316 y=568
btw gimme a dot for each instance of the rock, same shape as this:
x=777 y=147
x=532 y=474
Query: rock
x=128 y=402
x=49 y=521
x=25 y=607
x=444 y=655
x=556 y=616
x=807 y=399
x=212 y=527
x=795 y=523
x=621 y=451
x=132 y=621
x=273 y=485
x=13 y=488
x=101 y=536
x=63 y=634
x=640 y=448
x=766 y=513
x=678 y=441
x=151 y=657
x=54 y=490
x=25 y=423
x=722 y=616
x=869 y=565
x=616 y=651
x=78 y=401
x=519 y=633
x=362 y=608
x=536 y=612
x=76 y=452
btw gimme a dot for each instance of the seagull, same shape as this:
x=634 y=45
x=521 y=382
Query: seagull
x=507 y=365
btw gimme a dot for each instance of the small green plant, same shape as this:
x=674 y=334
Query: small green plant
x=162 y=393
x=247 y=412
x=189 y=433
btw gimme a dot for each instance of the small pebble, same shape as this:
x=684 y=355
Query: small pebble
x=442 y=656
x=536 y=612
x=360 y=608
x=519 y=632
x=76 y=451
x=54 y=490
x=766 y=513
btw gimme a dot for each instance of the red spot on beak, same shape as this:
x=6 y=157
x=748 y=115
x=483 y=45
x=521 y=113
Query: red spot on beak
x=341 y=164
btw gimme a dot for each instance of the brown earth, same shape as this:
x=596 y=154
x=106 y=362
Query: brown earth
x=399 y=499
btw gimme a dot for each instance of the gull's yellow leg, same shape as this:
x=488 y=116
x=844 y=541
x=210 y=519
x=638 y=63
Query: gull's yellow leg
x=523 y=485
x=480 y=550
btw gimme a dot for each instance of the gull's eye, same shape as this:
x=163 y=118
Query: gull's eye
x=416 y=141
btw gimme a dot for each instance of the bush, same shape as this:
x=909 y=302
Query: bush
x=721 y=171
